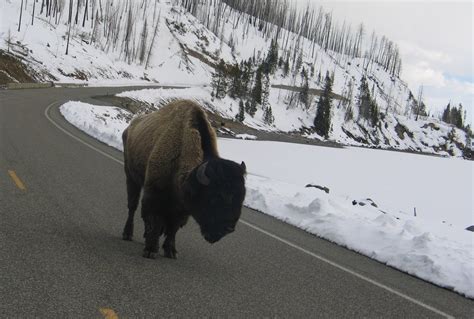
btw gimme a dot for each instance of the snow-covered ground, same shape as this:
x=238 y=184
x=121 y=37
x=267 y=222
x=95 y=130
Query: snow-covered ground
x=433 y=245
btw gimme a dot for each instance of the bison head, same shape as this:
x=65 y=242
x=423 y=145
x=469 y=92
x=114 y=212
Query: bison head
x=216 y=192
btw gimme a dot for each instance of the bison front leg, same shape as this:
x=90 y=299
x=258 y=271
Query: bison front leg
x=153 y=225
x=169 y=246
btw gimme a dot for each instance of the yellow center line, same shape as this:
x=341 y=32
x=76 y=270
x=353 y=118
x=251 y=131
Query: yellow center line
x=17 y=180
x=108 y=313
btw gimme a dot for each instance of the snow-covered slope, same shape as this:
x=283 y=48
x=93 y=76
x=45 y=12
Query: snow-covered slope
x=159 y=42
x=95 y=55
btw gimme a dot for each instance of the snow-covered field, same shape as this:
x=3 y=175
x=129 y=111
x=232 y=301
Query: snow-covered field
x=434 y=245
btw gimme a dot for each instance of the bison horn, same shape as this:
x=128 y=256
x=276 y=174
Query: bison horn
x=201 y=175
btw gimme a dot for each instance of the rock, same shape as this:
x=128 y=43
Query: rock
x=323 y=188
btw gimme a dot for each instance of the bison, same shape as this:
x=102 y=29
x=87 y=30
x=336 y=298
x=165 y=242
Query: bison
x=172 y=155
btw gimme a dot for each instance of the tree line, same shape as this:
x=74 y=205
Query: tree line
x=112 y=25
x=292 y=27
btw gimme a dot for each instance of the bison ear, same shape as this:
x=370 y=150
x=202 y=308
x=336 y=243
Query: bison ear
x=244 y=167
x=201 y=175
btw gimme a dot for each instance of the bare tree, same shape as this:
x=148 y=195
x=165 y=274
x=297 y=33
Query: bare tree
x=21 y=13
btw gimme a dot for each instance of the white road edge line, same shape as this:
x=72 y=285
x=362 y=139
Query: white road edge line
x=276 y=237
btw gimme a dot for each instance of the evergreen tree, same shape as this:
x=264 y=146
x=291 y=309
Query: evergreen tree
x=364 y=99
x=374 y=113
x=419 y=106
x=272 y=57
x=268 y=115
x=265 y=91
x=219 y=81
x=304 y=93
x=322 y=121
x=252 y=108
x=458 y=118
x=280 y=62
x=248 y=107
x=235 y=89
x=257 y=89
x=246 y=77
x=446 y=117
x=286 y=67
x=368 y=109
x=299 y=63
x=241 y=115
x=454 y=115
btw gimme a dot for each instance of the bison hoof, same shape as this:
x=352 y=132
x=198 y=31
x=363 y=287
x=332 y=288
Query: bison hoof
x=170 y=253
x=149 y=254
x=127 y=237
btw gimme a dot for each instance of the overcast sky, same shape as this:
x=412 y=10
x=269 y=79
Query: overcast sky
x=435 y=39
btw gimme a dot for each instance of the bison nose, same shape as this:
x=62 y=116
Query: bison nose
x=211 y=239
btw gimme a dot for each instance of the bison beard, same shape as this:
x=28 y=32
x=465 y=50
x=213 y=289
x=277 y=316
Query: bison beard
x=172 y=155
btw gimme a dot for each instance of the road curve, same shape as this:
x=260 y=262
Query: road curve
x=62 y=256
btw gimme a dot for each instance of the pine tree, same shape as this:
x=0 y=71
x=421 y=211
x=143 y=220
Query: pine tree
x=446 y=117
x=235 y=89
x=458 y=118
x=272 y=57
x=304 y=93
x=241 y=115
x=252 y=108
x=364 y=99
x=268 y=115
x=368 y=108
x=454 y=115
x=286 y=67
x=257 y=89
x=280 y=62
x=374 y=113
x=419 y=107
x=248 y=106
x=219 y=81
x=265 y=91
x=322 y=121
x=246 y=77
x=299 y=63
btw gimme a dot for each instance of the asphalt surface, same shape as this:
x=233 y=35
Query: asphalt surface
x=61 y=253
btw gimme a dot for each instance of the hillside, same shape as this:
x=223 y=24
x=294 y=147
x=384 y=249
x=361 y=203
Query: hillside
x=179 y=43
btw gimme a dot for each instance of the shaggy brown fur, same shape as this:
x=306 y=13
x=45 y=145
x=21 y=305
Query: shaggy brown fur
x=163 y=151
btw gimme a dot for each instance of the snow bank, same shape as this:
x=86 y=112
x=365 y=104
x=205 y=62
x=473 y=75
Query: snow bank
x=101 y=122
x=424 y=246
x=246 y=136
x=403 y=243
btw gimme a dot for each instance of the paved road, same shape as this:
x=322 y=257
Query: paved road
x=61 y=254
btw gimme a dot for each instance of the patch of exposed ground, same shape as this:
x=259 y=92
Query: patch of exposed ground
x=402 y=130
x=13 y=69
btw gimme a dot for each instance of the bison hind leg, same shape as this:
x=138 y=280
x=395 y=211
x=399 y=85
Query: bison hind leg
x=133 y=196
